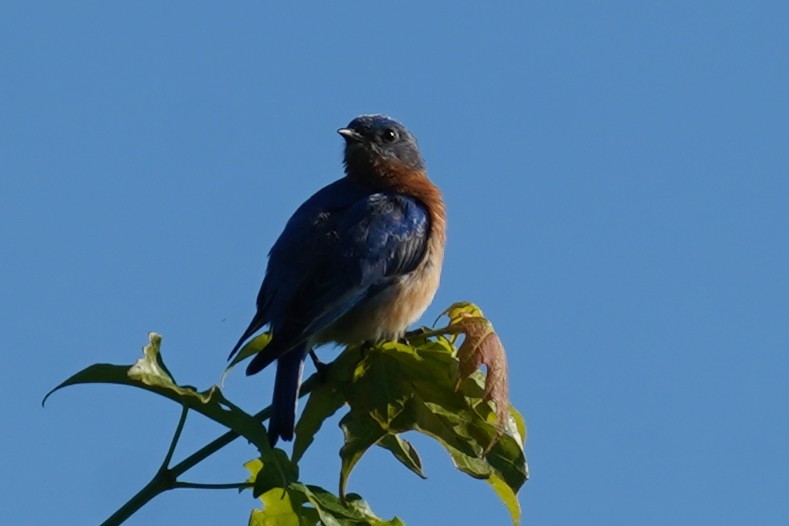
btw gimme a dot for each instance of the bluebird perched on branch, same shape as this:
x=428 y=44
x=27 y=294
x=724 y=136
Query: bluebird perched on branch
x=358 y=262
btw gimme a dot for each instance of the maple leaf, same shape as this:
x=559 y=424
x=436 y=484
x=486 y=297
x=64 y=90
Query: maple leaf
x=481 y=346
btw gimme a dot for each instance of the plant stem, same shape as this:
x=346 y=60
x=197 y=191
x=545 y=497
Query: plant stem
x=166 y=478
x=157 y=485
x=197 y=485
x=176 y=436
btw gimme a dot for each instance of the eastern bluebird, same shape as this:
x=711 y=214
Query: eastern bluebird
x=358 y=262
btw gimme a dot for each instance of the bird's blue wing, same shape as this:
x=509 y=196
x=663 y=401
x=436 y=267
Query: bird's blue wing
x=378 y=239
x=306 y=242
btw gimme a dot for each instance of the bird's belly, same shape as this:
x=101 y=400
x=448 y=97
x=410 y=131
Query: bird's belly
x=389 y=313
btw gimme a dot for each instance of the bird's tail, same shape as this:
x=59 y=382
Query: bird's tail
x=286 y=394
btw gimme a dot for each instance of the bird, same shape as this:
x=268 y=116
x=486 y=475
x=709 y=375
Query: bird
x=357 y=263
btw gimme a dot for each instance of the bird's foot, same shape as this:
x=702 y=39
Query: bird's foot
x=365 y=348
x=411 y=335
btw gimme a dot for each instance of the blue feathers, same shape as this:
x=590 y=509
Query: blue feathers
x=338 y=267
x=333 y=255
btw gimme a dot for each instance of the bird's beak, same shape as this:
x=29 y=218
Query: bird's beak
x=350 y=135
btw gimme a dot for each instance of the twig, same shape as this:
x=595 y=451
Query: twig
x=167 y=478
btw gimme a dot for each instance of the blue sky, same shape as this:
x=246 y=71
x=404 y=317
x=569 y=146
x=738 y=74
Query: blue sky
x=617 y=177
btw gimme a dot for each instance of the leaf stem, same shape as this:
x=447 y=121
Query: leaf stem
x=176 y=436
x=166 y=478
x=231 y=485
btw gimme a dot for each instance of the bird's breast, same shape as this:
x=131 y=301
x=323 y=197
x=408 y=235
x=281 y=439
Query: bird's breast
x=387 y=314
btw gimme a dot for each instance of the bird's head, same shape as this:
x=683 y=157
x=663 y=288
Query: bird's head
x=379 y=145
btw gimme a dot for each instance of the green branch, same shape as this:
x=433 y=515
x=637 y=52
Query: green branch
x=196 y=485
x=167 y=478
x=429 y=383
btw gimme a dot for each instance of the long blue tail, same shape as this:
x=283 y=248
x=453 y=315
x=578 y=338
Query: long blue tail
x=286 y=394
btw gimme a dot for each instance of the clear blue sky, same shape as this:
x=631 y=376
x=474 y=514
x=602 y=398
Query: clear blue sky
x=617 y=176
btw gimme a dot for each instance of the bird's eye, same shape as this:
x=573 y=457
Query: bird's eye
x=388 y=135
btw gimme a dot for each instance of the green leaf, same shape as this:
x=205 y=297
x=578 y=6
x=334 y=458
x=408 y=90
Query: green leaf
x=323 y=402
x=333 y=511
x=150 y=373
x=426 y=385
x=395 y=388
x=251 y=348
x=360 y=506
x=280 y=510
x=360 y=434
x=276 y=471
x=326 y=398
x=517 y=426
x=403 y=451
x=299 y=504
x=507 y=496
x=253 y=466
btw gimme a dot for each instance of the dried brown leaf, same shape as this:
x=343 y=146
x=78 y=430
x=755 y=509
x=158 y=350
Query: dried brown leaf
x=482 y=346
